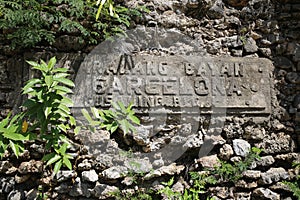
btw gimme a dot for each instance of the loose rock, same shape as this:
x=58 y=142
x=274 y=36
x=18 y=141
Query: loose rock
x=283 y=63
x=273 y=175
x=30 y=167
x=90 y=176
x=263 y=193
x=103 y=191
x=226 y=152
x=209 y=161
x=241 y=147
x=250 y=45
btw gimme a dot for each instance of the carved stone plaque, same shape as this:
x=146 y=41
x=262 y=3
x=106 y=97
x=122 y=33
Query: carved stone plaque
x=164 y=71
x=205 y=84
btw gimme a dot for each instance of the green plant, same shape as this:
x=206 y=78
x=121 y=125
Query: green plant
x=244 y=32
x=12 y=134
x=167 y=190
x=232 y=172
x=40 y=193
x=136 y=195
x=200 y=180
x=48 y=109
x=110 y=4
x=27 y=23
x=295 y=186
x=111 y=120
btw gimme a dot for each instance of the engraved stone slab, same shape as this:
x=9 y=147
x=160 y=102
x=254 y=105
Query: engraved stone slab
x=239 y=85
x=164 y=71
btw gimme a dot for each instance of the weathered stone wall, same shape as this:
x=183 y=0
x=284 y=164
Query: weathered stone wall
x=256 y=28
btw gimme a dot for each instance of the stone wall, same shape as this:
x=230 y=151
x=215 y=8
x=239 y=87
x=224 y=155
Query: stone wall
x=256 y=28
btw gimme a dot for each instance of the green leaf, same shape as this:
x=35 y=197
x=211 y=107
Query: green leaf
x=67 y=162
x=72 y=121
x=48 y=81
x=15 y=136
x=67 y=102
x=64 y=108
x=95 y=112
x=5 y=121
x=134 y=119
x=62 y=113
x=77 y=130
x=62 y=150
x=32 y=136
x=44 y=65
x=36 y=65
x=61 y=75
x=57 y=166
x=115 y=105
x=114 y=127
x=15 y=148
x=51 y=63
x=129 y=107
x=29 y=103
x=63 y=89
x=62 y=127
x=48 y=156
x=87 y=115
x=131 y=127
x=47 y=111
x=30 y=84
x=65 y=81
x=15 y=118
x=60 y=70
x=53 y=159
x=124 y=126
x=110 y=114
x=100 y=8
x=123 y=109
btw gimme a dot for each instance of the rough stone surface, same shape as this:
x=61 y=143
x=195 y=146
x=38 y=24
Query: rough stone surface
x=115 y=172
x=263 y=193
x=254 y=133
x=217 y=10
x=193 y=141
x=171 y=169
x=244 y=184
x=273 y=175
x=16 y=195
x=80 y=189
x=242 y=196
x=30 y=167
x=283 y=63
x=4 y=166
x=218 y=29
x=226 y=152
x=103 y=191
x=241 y=147
x=209 y=161
x=222 y=192
x=85 y=165
x=276 y=143
x=22 y=178
x=265 y=161
x=90 y=176
x=7 y=184
x=250 y=45
x=64 y=175
x=252 y=174
x=296 y=101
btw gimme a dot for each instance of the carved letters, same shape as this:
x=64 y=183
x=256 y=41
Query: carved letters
x=172 y=81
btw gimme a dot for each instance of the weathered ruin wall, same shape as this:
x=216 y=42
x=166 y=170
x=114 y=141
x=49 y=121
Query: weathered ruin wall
x=257 y=28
